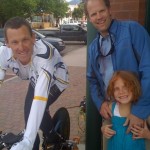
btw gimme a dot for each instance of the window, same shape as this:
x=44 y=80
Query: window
x=76 y=28
x=67 y=28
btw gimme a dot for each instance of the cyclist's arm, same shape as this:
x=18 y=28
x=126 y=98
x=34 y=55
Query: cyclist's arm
x=2 y=75
x=53 y=73
x=4 y=56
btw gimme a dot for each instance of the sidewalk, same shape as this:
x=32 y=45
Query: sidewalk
x=76 y=61
x=13 y=91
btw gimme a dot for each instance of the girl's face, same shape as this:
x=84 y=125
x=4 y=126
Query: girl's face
x=122 y=94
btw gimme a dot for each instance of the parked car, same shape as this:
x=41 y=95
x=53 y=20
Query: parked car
x=1 y=43
x=2 y=35
x=56 y=42
x=74 y=22
x=67 y=32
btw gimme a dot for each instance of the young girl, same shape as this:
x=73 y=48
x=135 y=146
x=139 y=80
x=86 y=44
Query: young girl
x=123 y=91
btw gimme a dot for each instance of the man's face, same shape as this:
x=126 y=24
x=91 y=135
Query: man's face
x=99 y=15
x=21 y=42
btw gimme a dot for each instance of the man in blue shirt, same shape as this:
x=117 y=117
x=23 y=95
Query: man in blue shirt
x=119 y=45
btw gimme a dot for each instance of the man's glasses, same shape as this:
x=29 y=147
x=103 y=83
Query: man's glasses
x=111 y=49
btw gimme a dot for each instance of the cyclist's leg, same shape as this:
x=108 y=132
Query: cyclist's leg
x=28 y=102
x=46 y=124
x=36 y=143
x=61 y=121
x=27 y=107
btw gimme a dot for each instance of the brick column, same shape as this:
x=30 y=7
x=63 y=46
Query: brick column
x=129 y=9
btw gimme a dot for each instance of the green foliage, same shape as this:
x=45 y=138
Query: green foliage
x=12 y=8
x=44 y=6
x=60 y=8
x=28 y=8
x=78 y=12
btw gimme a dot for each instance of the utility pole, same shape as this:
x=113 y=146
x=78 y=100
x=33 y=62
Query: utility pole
x=147 y=19
x=93 y=119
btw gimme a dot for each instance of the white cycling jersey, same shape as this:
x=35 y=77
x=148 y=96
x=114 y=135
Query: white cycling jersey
x=45 y=69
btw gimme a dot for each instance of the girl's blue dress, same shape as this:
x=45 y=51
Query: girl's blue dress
x=121 y=140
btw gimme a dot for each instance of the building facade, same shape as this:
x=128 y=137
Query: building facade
x=129 y=9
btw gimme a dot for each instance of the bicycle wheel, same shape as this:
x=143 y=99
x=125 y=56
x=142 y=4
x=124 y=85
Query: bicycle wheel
x=61 y=121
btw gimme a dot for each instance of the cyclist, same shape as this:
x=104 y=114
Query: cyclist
x=41 y=63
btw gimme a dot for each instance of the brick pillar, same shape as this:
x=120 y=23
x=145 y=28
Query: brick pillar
x=129 y=9
x=142 y=11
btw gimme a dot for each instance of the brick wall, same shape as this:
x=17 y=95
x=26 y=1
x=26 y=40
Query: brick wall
x=129 y=9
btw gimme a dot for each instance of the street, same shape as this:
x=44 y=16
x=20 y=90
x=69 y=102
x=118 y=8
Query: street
x=72 y=46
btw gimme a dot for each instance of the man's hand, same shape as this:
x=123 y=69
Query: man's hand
x=105 y=110
x=133 y=120
x=25 y=144
x=140 y=132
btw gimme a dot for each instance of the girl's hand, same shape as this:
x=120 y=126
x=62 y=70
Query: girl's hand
x=107 y=131
x=139 y=132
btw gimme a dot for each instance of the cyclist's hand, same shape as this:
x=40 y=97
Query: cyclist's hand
x=25 y=144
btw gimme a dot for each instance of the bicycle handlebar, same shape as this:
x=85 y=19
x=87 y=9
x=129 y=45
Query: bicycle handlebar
x=8 y=139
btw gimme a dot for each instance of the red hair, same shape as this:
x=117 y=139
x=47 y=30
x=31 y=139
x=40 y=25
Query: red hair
x=131 y=82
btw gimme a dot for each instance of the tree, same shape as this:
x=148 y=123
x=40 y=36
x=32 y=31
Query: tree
x=12 y=8
x=60 y=9
x=44 y=6
x=57 y=7
x=2 y=15
x=28 y=8
x=78 y=12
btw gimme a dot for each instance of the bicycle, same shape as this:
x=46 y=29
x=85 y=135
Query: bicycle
x=82 y=117
x=60 y=133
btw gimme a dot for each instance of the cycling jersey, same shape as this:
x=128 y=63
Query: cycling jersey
x=45 y=69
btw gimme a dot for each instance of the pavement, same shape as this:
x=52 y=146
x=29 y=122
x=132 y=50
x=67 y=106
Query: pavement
x=13 y=92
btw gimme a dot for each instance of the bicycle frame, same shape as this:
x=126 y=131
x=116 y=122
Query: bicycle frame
x=61 y=131
x=8 y=139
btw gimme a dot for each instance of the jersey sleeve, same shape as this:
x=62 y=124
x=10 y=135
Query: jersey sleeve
x=50 y=71
x=2 y=75
x=3 y=62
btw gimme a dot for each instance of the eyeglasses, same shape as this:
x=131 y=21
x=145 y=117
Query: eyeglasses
x=111 y=49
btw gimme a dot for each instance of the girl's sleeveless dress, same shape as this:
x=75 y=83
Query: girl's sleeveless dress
x=121 y=140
